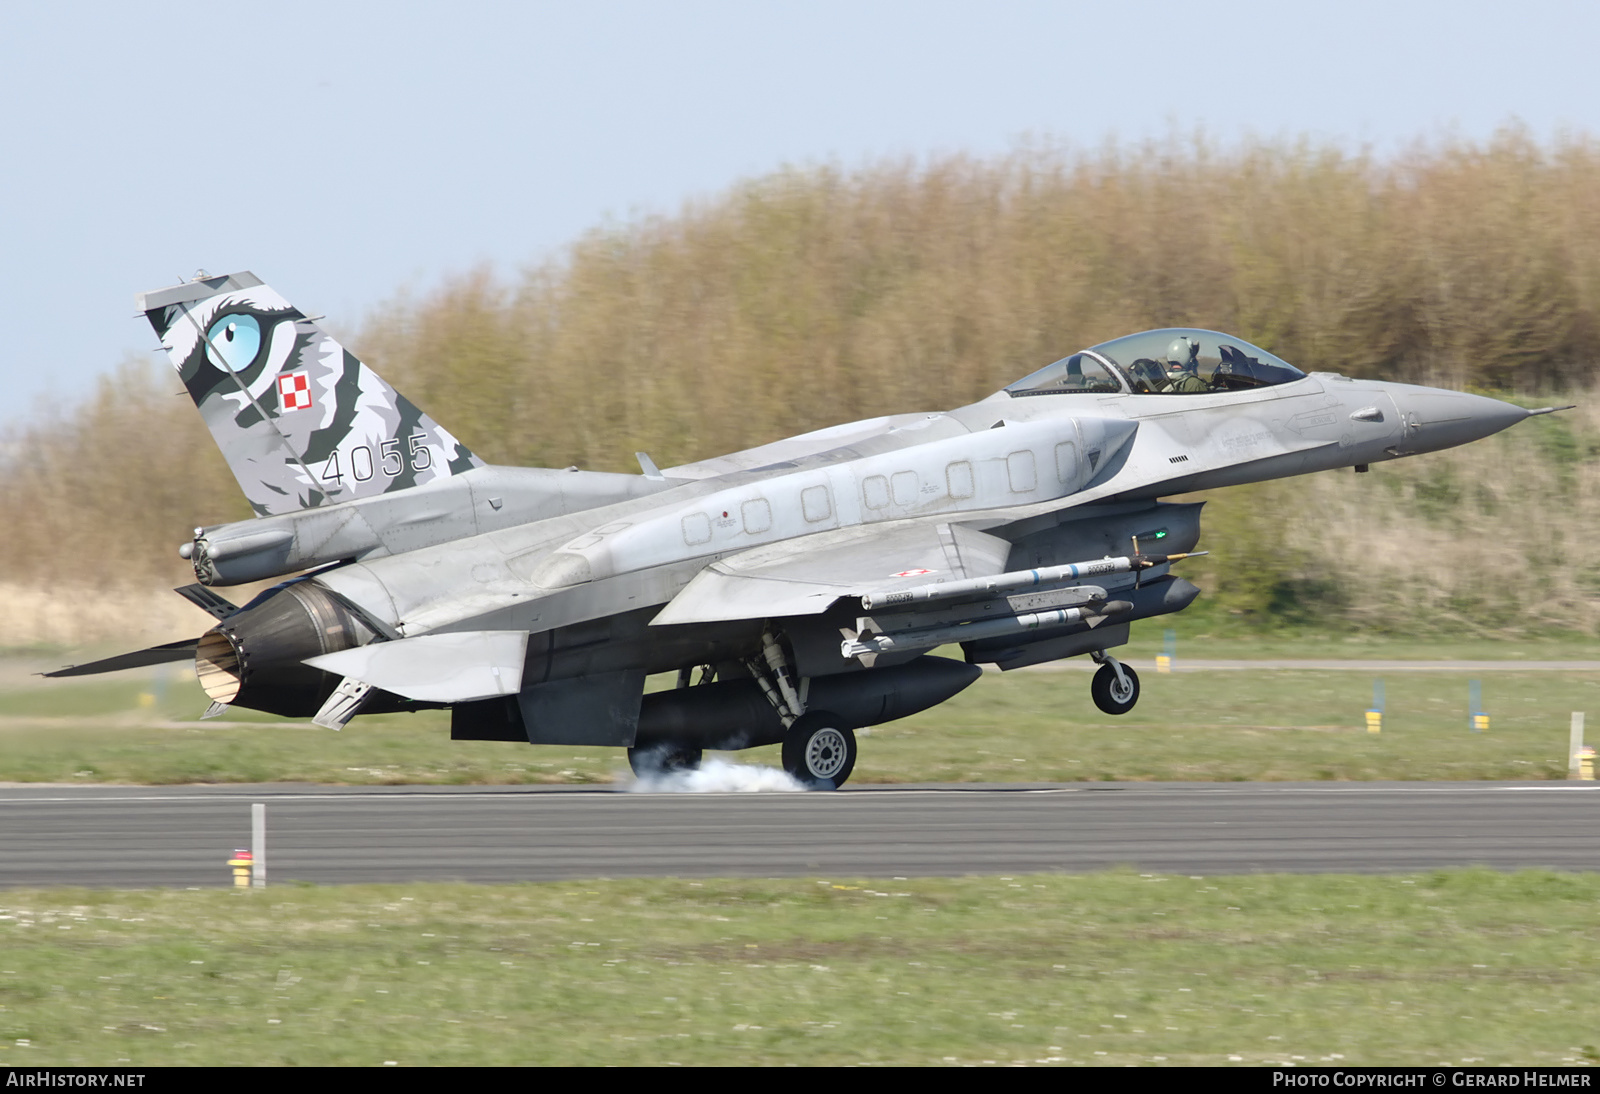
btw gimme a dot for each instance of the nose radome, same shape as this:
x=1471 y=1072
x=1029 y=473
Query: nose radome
x=1443 y=419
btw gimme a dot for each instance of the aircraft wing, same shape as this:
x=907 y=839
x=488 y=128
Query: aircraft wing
x=805 y=576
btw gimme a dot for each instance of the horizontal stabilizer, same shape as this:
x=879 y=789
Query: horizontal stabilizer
x=436 y=668
x=155 y=655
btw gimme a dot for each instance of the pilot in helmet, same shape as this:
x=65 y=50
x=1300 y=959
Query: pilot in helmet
x=1183 y=367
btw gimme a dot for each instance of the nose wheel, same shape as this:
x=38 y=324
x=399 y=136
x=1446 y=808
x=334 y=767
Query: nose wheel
x=1115 y=688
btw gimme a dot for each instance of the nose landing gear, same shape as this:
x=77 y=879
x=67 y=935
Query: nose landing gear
x=1115 y=688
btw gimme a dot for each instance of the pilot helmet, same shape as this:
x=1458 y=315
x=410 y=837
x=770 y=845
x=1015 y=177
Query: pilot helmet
x=1182 y=354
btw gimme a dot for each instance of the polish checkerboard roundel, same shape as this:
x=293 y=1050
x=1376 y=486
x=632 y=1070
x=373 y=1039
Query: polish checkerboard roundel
x=294 y=391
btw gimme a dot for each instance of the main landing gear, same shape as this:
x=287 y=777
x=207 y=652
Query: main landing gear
x=1115 y=688
x=818 y=751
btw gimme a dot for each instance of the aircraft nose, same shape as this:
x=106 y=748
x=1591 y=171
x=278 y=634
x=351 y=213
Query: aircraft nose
x=1438 y=419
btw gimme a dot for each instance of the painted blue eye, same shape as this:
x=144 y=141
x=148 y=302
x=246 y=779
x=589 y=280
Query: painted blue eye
x=233 y=342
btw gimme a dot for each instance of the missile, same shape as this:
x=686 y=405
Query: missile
x=927 y=638
x=1018 y=579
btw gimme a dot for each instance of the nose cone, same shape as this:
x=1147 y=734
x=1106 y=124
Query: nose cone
x=1435 y=418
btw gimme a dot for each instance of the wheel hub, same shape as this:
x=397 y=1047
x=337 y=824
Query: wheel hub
x=826 y=753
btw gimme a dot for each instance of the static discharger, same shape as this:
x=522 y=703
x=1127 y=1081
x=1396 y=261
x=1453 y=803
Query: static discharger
x=974 y=587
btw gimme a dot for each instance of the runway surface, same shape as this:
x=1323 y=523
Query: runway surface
x=182 y=836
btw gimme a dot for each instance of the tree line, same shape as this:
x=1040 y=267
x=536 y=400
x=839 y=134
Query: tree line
x=815 y=295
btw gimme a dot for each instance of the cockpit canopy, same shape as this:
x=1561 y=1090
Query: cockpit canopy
x=1170 y=361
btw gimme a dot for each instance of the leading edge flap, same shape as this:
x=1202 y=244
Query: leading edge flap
x=805 y=576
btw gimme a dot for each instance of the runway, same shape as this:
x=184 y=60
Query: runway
x=182 y=836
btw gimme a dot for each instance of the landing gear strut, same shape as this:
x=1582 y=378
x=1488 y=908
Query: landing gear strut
x=1115 y=688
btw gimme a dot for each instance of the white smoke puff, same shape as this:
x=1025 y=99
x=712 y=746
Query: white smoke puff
x=717 y=777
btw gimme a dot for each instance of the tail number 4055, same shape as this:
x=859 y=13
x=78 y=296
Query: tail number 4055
x=391 y=461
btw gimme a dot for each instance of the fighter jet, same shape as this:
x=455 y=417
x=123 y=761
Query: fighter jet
x=796 y=589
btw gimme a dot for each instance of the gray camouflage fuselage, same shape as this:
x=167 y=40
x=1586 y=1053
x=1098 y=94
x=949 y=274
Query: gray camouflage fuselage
x=533 y=602
x=990 y=466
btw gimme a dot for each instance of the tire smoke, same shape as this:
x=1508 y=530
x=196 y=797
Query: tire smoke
x=717 y=777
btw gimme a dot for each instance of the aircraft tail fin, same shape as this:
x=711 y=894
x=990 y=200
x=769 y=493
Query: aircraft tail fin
x=301 y=421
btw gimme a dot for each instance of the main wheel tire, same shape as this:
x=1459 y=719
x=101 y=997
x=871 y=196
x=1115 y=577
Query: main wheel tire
x=818 y=751
x=1111 y=696
x=653 y=761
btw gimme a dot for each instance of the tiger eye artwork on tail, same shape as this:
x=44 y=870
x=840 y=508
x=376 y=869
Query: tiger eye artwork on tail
x=301 y=422
x=796 y=589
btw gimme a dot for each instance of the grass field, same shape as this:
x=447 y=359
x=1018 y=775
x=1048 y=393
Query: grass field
x=1461 y=967
x=1276 y=724
x=1458 y=966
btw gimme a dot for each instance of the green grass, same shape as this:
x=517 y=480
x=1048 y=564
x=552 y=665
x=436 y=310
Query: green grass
x=1198 y=637
x=1028 y=726
x=1228 y=725
x=1462 y=967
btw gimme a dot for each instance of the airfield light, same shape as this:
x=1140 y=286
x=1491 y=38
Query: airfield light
x=241 y=862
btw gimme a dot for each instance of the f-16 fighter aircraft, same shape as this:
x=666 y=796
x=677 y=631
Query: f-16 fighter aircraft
x=796 y=588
